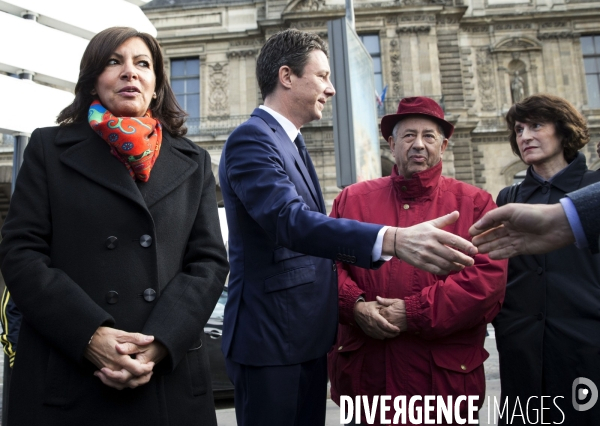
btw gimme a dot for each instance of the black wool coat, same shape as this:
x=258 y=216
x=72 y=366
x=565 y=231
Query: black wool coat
x=548 y=331
x=83 y=247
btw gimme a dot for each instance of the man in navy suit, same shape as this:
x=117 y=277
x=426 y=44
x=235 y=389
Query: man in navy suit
x=281 y=316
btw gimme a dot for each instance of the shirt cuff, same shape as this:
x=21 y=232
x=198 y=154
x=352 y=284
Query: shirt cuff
x=573 y=218
x=378 y=247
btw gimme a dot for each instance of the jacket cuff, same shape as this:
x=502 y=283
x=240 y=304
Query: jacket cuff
x=347 y=300
x=412 y=307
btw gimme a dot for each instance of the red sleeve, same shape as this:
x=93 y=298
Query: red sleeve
x=461 y=300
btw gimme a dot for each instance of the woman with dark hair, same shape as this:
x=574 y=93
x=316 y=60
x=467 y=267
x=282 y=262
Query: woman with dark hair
x=547 y=331
x=113 y=253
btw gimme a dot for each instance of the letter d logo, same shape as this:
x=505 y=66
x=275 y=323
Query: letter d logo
x=580 y=393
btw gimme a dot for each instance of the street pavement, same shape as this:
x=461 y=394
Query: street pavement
x=226 y=413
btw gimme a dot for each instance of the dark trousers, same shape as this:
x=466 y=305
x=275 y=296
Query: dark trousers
x=290 y=395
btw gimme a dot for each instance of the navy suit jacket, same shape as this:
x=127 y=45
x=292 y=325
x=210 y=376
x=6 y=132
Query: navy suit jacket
x=282 y=306
x=587 y=203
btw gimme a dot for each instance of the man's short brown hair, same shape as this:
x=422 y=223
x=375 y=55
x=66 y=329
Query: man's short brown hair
x=290 y=47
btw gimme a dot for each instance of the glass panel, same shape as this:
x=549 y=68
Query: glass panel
x=378 y=83
x=597 y=44
x=376 y=65
x=178 y=86
x=590 y=65
x=181 y=101
x=177 y=67
x=193 y=106
x=192 y=67
x=371 y=42
x=193 y=85
x=593 y=88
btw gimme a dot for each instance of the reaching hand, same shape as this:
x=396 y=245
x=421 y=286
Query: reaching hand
x=102 y=352
x=368 y=318
x=427 y=247
x=394 y=310
x=516 y=229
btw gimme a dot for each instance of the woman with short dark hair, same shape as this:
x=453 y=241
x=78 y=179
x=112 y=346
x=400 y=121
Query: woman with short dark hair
x=547 y=331
x=112 y=251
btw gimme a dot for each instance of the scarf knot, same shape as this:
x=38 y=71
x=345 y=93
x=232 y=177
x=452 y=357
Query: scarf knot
x=134 y=141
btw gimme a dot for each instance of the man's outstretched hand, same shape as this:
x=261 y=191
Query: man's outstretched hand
x=428 y=247
x=516 y=229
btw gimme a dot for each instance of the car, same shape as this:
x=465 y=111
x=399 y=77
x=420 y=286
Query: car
x=213 y=331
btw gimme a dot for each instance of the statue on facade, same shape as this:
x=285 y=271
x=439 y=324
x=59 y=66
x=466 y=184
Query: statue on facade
x=517 y=88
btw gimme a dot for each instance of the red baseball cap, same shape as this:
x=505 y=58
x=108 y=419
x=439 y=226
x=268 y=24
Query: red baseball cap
x=419 y=105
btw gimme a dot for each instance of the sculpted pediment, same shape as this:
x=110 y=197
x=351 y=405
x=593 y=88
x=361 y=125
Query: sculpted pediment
x=516 y=44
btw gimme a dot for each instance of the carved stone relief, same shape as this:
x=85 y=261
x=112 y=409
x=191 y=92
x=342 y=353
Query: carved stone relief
x=310 y=5
x=414 y=29
x=485 y=77
x=396 y=68
x=218 y=99
x=242 y=53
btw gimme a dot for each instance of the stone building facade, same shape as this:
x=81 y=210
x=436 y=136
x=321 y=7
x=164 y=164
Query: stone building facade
x=473 y=56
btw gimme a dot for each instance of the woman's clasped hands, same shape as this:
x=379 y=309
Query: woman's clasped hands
x=124 y=360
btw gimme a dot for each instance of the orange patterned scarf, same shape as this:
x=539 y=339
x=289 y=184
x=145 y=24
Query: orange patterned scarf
x=135 y=141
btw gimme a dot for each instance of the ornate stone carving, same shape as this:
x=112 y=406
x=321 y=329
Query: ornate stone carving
x=476 y=29
x=312 y=24
x=396 y=68
x=517 y=26
x=310 y=5
x=485 y=78
x=417 y=18
x=448 y=21
x=414 y=29
x=559 y=34
x=421 y=2
x=554 y=24
x=247 y=42
x=516 y=44
x=241 y=53
x=218 y=99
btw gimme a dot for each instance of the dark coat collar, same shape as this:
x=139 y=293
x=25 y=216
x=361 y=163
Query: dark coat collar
x=568 y=181
x=284 y=138
x=90 y=156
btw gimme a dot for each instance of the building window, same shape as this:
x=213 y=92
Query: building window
x=519 y=177
x=590 y=45
x=371 y=42
x=185 y=82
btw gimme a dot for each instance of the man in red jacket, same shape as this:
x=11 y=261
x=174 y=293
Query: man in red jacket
x=404 y=331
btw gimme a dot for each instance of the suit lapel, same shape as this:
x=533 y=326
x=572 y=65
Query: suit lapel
x=284 y=142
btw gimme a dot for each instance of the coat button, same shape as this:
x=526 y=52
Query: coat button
x=112 y=297
x=145 y=240
x=340 y=348
x=406 y=207
x=463 y=367
x=149 y=295
x=112 y=243
x=540 y=316
x=333 y=267
x=544 y=189
x=539 y=270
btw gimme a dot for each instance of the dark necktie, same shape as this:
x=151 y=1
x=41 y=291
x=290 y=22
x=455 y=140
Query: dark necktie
x=302 y=150
x=299 y=141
